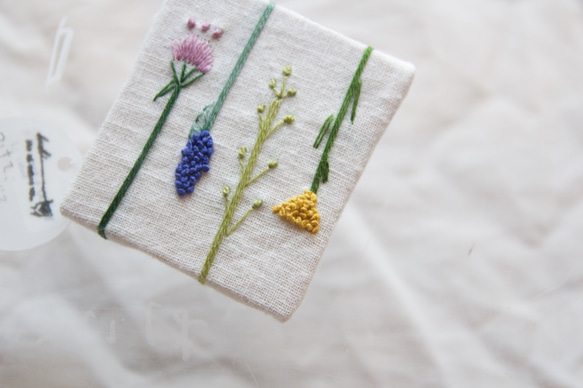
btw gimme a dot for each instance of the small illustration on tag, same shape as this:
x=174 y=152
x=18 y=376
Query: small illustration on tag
x=42 y=208
x=30 y=170
x=33 y=179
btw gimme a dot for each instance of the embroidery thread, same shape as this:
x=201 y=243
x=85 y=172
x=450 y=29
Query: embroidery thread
x=206 y=119
x=301 y=210
x=193 y=51
x=266 y=129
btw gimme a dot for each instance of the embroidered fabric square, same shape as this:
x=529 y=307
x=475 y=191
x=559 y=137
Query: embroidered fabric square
x=235 y=144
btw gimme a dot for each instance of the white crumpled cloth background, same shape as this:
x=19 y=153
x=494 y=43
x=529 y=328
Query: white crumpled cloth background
x=458 y=260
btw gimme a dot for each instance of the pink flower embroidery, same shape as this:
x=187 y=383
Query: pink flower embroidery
x=195 y=51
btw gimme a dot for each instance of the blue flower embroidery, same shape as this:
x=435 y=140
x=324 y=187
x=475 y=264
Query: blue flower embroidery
x=195 y=160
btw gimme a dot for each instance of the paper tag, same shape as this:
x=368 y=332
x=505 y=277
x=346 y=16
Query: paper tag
x=37 y=163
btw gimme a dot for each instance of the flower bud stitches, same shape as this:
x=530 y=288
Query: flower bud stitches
x=217 y=33
x=257 y=204
x=242 y=152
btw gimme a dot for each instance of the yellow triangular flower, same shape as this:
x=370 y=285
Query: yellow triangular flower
x=301 y=211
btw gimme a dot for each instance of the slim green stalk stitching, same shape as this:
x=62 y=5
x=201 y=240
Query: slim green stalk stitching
x=265 y=131
x=270 y=165
x=175 y=85
x=256 y=205
x=207 y=117
x=324 y=131
x=357 y=88
x=352 y=94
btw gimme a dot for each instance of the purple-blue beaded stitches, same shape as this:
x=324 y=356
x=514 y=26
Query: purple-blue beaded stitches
x=195 y=160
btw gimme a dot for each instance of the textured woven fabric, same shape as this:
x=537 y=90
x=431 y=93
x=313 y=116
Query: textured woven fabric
x=266 y=263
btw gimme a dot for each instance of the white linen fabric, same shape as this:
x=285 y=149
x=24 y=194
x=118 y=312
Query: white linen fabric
x=456 y=263
x=266 y=263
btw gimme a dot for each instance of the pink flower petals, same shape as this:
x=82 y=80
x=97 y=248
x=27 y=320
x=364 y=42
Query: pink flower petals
x=195 y=51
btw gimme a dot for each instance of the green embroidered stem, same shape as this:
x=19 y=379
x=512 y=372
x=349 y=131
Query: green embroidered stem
x=207 y=118
x=165 y=90
x=256 y=205
x=270 y=165
x=238 y=222
x=176 y=85
x=324 y=131
x=191 y=81
x=352 y=95
x=357 y=88
x=266 y=129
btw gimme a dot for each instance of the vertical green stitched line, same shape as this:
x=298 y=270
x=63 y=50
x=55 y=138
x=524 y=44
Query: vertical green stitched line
x=178 y=85
x=210 y=120
x=353 y=93
x=138 y=164
x=357 y=88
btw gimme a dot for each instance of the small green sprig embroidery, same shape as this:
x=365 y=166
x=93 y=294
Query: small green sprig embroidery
x=332 y=124
x=266 y=129
x=301 y=210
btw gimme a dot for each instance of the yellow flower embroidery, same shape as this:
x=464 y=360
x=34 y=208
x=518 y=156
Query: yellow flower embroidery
x=301 y=211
